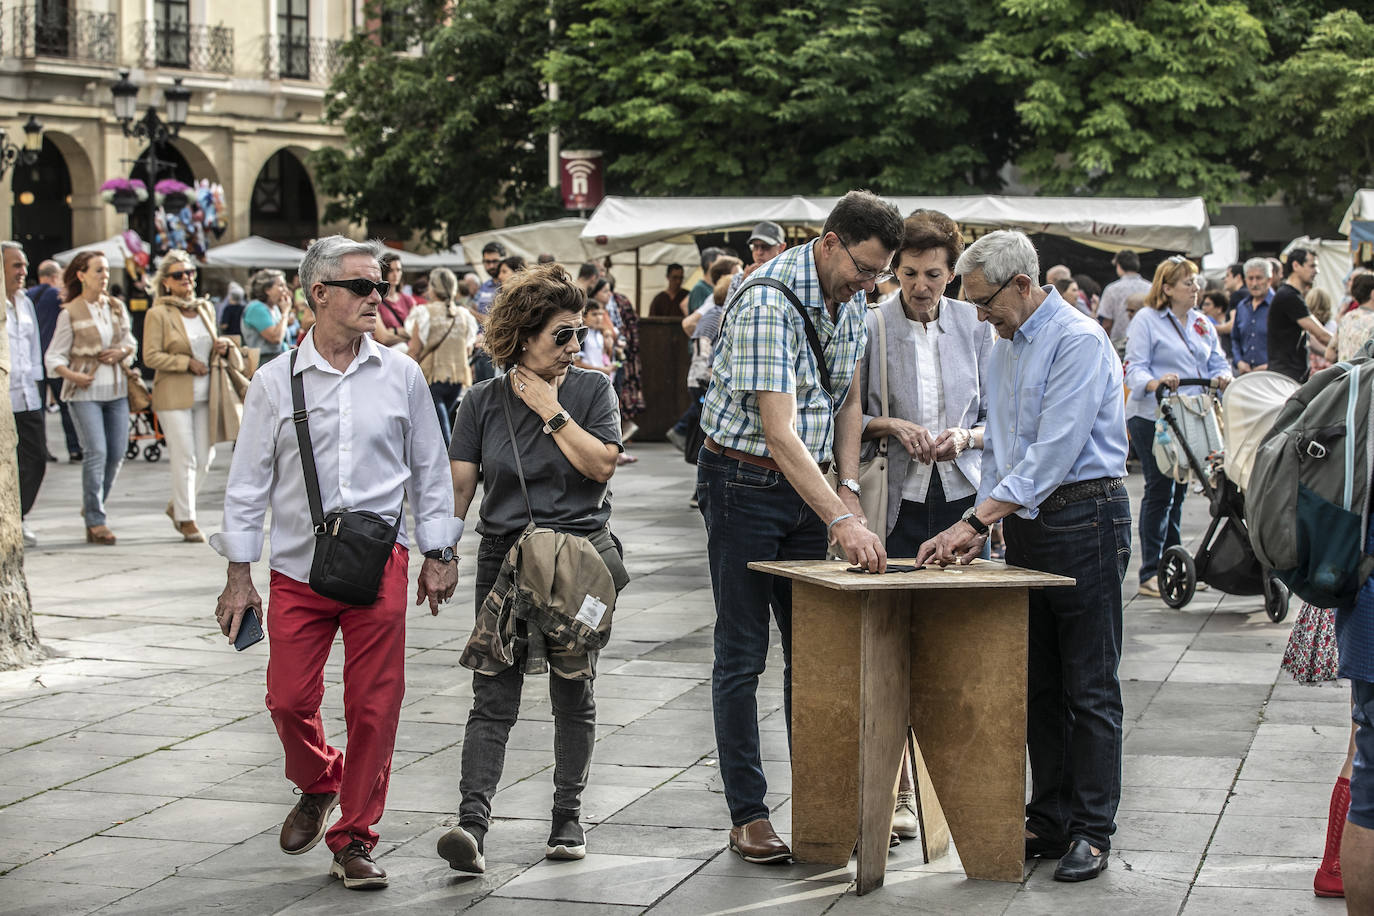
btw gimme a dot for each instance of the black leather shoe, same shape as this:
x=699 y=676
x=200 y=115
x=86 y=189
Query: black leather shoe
x=1080 y=864
x=1038 y=847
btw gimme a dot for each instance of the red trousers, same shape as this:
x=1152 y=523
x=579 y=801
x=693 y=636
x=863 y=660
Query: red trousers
x=301 y=627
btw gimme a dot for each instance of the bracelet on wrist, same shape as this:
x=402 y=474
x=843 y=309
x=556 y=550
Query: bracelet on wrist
x=836 y=520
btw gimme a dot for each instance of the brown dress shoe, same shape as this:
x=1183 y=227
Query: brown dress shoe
x=354 y=864
x=756 y=842
x=189 y=532
x=307 y=822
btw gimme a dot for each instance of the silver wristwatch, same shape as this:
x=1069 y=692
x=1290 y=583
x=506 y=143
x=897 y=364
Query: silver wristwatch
x=849 y=483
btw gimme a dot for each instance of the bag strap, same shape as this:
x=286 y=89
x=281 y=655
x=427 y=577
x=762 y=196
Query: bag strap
x=515 y=449
x=812 y=337
x=301 y=419
x=453 y=320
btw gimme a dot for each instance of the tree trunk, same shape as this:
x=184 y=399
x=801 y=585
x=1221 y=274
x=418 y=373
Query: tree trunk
x=18 y=642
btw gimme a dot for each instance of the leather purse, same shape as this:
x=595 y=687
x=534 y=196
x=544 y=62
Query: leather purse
x=352 y=546
x=140 y=399
x=873 y=472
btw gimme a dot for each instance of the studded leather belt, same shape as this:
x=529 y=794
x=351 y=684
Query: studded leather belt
x=1083 y=489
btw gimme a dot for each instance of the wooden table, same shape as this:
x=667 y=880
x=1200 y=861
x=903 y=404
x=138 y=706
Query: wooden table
x=942 y=650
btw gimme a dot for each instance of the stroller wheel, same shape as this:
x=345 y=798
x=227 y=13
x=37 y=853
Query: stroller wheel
x=132 y=451
x=1275 y=598
x=151 y=453
x=1177 y=577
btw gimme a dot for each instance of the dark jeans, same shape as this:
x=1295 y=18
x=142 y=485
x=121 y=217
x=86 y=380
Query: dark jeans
x=919 y=522
x=54 y=385
x=495 y=706
x=692 y=415
x=482 y=367
x=1161 y=511
x=1073 y=728
x=31 y=455
x=751 y=514
x=445 y=395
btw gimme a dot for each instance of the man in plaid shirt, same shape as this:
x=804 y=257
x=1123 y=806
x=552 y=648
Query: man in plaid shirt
x=773 y=430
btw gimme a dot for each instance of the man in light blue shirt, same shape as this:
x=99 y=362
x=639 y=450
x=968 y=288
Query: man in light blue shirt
x=1055 y=457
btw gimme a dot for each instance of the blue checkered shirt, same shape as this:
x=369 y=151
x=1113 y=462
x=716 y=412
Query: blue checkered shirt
x=763 y=347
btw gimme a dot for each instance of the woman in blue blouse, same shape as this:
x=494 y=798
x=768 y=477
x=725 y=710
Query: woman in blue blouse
x=1169 y=339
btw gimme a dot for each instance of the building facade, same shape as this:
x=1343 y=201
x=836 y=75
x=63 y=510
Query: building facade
x=257 y=71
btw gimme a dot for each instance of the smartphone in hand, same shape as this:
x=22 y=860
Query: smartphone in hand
x=250 y=630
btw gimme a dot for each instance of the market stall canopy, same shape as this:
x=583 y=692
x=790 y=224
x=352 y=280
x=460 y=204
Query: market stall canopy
x=564 y=239
x=1225 y=250
x=414 y=262
x=1171 y=224
x=255 y=252
x=111 y=248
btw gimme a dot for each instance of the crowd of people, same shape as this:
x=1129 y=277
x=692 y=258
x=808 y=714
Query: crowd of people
x=1011 y=408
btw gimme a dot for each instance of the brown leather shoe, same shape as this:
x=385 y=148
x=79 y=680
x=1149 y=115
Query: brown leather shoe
x=189 y=532
x=354 y=864
x=756 y=842
x=307 y=822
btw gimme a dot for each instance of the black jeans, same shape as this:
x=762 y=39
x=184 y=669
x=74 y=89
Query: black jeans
x=31 y=455
x=445 y=396
x=495 y=706
x=1073 y=728
x=54 y=385
x=919 y=522
x=1161 y=508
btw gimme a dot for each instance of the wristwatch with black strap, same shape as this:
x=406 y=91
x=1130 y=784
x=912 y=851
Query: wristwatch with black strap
x=442 y=554
x=971 y=516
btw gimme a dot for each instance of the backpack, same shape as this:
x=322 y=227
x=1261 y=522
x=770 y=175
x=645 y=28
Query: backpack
x=1307 y=504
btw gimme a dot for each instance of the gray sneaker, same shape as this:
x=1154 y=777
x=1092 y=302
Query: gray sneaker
x=463 y=851
x=30 y=539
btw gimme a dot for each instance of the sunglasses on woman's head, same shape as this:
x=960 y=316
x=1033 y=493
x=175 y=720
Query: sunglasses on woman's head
x=181 y=274
x=361 y=287
x=563 y=335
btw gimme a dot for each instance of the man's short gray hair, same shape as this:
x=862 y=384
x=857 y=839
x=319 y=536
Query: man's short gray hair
x=322 y=260
x=1260 y=264
x=1000 y=255
x=8 y=245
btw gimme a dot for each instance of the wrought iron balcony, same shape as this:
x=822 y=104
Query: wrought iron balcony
x=292 y=57
x=51 y=31
x=203 y=48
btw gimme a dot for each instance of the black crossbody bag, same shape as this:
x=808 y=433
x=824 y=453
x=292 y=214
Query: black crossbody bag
x=812 y=338
x=352 y=547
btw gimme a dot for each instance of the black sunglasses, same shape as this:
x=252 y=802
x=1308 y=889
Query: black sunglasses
x=563 y=335
x=180 y=274
x=361 y=287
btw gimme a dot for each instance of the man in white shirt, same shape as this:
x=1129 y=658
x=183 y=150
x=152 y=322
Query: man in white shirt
x=26 y=375
x=1111 y=310
x=376 y=441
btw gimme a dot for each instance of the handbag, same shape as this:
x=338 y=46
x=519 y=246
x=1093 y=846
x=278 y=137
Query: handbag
x=873 y=472
x=352 y=546
x=1196 y=416
x=140 y=399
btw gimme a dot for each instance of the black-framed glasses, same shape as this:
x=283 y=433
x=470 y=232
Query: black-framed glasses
x=361 y=286
x=563 y=335
x=988 y=301
x=866 y=274
x=181 y=274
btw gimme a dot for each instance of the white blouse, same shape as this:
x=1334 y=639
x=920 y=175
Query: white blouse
x=201 y=345
x=109 y=382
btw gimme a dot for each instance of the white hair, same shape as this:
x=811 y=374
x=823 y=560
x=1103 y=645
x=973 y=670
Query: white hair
x=323 y=258
x=1260 y=264
x=1000 y=255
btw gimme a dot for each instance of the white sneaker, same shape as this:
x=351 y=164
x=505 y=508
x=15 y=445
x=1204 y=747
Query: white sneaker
x=30 y=539
x=904 y=822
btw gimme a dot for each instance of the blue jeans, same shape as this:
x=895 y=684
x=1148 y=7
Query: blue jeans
x=103 y=428
x=919 y=522
x=445 y=395
x=1073 y=726
x=1161 y=511
x=751 y=514
x=1362 y=773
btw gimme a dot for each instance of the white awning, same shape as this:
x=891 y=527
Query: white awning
x=112 y=248
x=255 y=253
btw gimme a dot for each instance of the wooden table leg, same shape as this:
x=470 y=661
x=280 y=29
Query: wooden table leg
x=885 y=672
x=968 y=709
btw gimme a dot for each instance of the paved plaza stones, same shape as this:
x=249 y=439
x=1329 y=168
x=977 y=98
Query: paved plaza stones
x=140 y=773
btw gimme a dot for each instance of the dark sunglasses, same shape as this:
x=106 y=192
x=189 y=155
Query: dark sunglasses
x=180 y=274
x=563 y=335
x=360 y=287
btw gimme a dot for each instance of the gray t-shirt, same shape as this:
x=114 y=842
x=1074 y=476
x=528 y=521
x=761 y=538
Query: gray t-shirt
x=562 y=498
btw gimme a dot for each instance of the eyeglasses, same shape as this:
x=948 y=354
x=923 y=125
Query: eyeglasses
x=181 y=274
x=563 y=335
x=865 y=274
x=988 y=301
x=360 y=286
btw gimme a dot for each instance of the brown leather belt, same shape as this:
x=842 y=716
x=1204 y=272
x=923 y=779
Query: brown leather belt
x=757 y=461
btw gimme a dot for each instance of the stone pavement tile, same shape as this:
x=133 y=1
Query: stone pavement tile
x=1247 y=835
x=654 y=750
x=533 y=798
x=669 y=842
x=450 y=708
x=1200 y=715
x=226 y=693
x=1310 y=712
x=412 y=791
x=642 y=688
x=1264 y=797
x=10 y=794
x=248 y=747
x=1179 y=772
x=1136 y=669
x=601 y=879
x=163 y=773
x=209 y=895
x=1235 y=901
x=1247 y=668
x=1221 y=870
x=1119 y=890
x=623 y=710
x=426 y=737
x=730 y=894
x=1164 y=831
x=674 y=806
x=699 y=697
x=509 y=841
x=50 y=898
x=928 y=892
x=1177 y=868
x=1216 y=694
x=729 y=865
x=1333 y=691
x=110 y=861
x=519 y=765
x=1333 y=738
x=95 y=739
x=1288 y=765
x=259 y=860
x=398 y=826
x=166 y=722
x=671 y=722
x=24 y=838
x=205 y=820
x=536 y=734
x=45 y=769
x=266 y=783
x=418 y=885
x=16 y=732
x=514 y=906
x=67 y=804
x=1167 y=798
x=82 y=707
x=696 y=671
x=618 y=775
x=1184 y=740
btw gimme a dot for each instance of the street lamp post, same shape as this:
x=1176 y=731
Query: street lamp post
x=151 y=128
x=27 y=154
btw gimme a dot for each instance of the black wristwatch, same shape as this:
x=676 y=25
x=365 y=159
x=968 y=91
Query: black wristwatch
x=443 y=555
x=971 y=516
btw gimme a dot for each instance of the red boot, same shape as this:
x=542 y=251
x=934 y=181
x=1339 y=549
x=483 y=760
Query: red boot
x=1328 y=882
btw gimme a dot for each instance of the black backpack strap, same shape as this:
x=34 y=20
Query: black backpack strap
x=301 y=419
x=812 y=337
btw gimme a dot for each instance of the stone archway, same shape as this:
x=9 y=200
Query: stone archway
x=41 y=213
x=283 y=205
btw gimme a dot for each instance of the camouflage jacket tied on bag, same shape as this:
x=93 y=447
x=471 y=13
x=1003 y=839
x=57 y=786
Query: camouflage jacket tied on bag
x=550 y=607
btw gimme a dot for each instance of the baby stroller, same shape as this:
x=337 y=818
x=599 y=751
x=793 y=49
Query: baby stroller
x=143 y=427
x=1225 y=560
